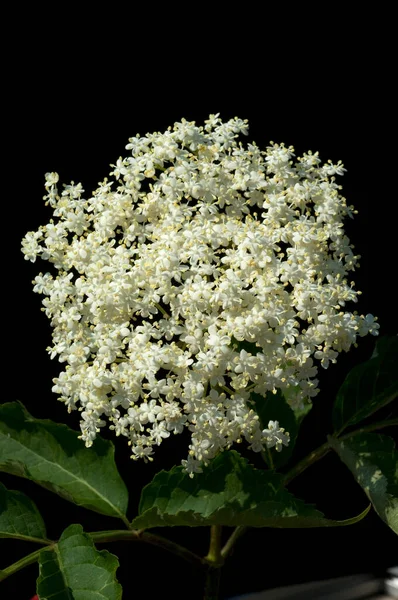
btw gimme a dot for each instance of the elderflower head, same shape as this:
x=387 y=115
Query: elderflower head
x=203 y=270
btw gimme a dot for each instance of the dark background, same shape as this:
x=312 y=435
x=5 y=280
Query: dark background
x=71 y=108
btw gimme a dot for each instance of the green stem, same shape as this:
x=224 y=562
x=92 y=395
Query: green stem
x=99 y=537
x=264 y=456
x=28 y=538
x=320 y=452
x=371 y=427
x=127 y=523
x=310 y=459
x=233 y=538
x=114 y=535
x=215 y=561
x=164 y=313
x=214 y=554
x=169 y=546
x=137 y=535
x=212 y=583
x=270 y=460
x=226 y=389
x=20 y=564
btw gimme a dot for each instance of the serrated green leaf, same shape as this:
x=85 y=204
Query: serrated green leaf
x=52 y=455
x=229 y=492
x=373 y=460
x=368 y=386
x=73 y=569
x=273 y=407
x=19 y=516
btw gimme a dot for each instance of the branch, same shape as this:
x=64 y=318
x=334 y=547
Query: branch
x=235 y=535
x=320 y=452
x=100 y=537
x=138 y=535
x=20 y=564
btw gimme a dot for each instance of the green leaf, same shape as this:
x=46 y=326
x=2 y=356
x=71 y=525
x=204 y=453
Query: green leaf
x=19 y=517
x=368 y=386
x=373 y=460
x=229 y=492
x=73 y=569
x=52 y=455
x=275 y=408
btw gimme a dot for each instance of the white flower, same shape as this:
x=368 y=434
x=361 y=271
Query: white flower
x=275 y=436
x=51 y=179
x=201 y=270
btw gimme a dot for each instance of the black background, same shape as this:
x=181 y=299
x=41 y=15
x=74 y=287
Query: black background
x=74 y=97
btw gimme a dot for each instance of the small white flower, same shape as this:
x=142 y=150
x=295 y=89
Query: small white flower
x=275 y=436
x=51 y=179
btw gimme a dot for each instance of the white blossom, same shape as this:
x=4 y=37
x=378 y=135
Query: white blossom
x=275 y=436
x=200 y=270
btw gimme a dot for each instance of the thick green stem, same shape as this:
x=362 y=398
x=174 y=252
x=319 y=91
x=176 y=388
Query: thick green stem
x=212 y=583
x=215 y=561
x=214 y=554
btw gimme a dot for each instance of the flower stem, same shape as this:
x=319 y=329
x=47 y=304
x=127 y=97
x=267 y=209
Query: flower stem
x=162 y=310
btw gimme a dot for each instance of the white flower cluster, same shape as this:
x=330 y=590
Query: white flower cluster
x=202 y=271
